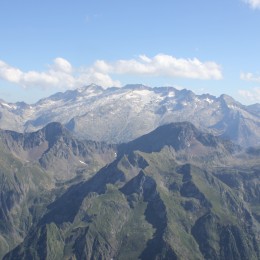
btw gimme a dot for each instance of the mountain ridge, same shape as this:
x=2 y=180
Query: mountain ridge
x=154 y=204
x=118 y=115
x=37 y=167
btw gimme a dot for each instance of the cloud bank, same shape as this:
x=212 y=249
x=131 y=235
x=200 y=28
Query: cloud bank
x=252 y=95
x=163 y=65
x=61 y=74
x=249 y=77
x=255 y=4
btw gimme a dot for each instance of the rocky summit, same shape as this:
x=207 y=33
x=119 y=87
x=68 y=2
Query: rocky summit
x=174 y=193
x=117 y=115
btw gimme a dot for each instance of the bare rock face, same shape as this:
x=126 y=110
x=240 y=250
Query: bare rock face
x=117 y=115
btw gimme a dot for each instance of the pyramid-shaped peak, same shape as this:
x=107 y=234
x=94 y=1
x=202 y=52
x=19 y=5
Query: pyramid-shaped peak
x=177 y=135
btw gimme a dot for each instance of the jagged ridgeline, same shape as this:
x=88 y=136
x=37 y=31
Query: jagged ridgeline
x=175 y=193
x=118 y=115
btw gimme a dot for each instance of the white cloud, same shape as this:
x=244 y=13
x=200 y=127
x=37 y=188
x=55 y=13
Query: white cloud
x=162 y=65
x=61 y=64
x=253 y=95
x=255 y=4
x=61 y=73
x=101 y=79
x=249 y=77
x=9 y=73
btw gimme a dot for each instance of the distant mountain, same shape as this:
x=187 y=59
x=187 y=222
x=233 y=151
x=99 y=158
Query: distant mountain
x=254 y=109
x=175 y=193
x=119 y=115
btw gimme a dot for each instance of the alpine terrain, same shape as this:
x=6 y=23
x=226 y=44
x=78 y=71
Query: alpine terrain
x=118 y=115
x=174 y=193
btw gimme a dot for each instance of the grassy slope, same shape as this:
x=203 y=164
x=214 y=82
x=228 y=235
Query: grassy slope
x=189 y=210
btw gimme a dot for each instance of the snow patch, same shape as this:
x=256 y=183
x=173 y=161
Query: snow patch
x=210 y=101
x=142 y=92
x=82 y=162
x=8 y=106
x=232 y=106
x=171 y=94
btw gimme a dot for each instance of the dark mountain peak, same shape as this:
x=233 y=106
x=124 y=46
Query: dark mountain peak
x=51 y=133
x=53 y=147
x=177 y=128
x=54 y=129
x=142 y=185
x=179 y=136
x=170 y=134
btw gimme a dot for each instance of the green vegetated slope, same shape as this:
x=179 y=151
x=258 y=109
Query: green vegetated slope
x=37 y=168
x=21 y=186
x=173 y=194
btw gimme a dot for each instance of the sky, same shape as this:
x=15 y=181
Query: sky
x=207 y=46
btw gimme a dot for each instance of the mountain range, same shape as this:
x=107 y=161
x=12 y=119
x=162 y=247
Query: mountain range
x=174 y=193
x=117 y=115
x=130 y=173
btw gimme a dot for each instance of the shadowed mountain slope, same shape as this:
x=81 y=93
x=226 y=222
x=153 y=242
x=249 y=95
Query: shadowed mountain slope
x=155 y=202
x=35 y=168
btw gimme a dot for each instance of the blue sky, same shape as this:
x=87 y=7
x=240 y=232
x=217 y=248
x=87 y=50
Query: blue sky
x=53 y=45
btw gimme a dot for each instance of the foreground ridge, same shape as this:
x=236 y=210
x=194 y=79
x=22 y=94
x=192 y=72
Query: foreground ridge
x=175 y=193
